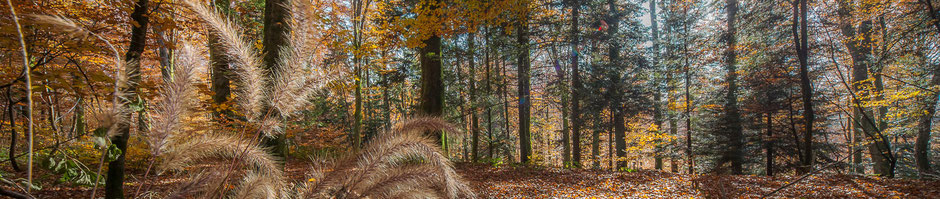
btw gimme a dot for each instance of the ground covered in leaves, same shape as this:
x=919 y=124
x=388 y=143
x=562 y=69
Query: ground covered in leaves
x=535 y=182
x=519 y=182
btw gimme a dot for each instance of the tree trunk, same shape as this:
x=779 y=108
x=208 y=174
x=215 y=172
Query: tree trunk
x=219 y=74
x=12 y=115
x=522 y=63
x=733 y=117
x=576 y=86
x=276 y=31
x=615 y=81
x=489 y=93
x=770 y=145
x=474 y=121
x=688 y=103
x=432 y=86
x=114 y=184
x=860 y=50
x=922 y=143
x=933 y=14
x=657 y=94
x=800 y=41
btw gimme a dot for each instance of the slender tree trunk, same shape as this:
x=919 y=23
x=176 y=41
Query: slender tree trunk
x=489 y=93
x=432 y=86
x=505 y=92
x=576 y=86
x=733 y=117
x=922 y=143
x=13 y=135
x=770 y=145
x=800 y=39
x=657 y=95
x=616 y=91
x=690 y=157
x=522 y=63
x=474 y=121
x=386 y=98
x=114 y=184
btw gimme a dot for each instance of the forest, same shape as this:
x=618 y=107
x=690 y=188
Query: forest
x=469 y=99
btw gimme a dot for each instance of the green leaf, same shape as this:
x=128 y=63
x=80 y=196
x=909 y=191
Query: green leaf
x=113 y=153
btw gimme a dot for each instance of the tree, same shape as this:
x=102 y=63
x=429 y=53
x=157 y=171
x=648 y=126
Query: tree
x=114 y=184
x=657 y=92
x=276 y=31
x=860 y=51
x=432 y=86
x=219 y=75
x=733 y=130
x=474 y=121
x=522 y=72
x=802 y=49
x=616 y=106
x=576 y=86
x=921 y=144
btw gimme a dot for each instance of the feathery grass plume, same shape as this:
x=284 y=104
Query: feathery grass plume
x=70 y=28
x=296 y=78
x=250 y=75
x=397 y=161
x=197 y=186
x=176 y=98
x=61 y=24
x=180 y=153
x=258 y=186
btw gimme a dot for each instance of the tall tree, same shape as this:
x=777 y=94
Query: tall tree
x=922 y=142
x=576 y=86
x=860 y=51
x=432 y=86
x=522 y=72
x=657 y=93
x=114 y=184
x=733 y=130
x=616 y=106
x=474 y=121
x=800 y=41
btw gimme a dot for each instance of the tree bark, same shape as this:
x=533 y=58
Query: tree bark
x=219 y=71
x=432 y=86
x=860 y=51
x=806 y=89
x=657 y=94
x=474 y=121
x=114 y=184
x=488 y=92
x=576 y=86
x=922 y=142
x=276 y=31
x=522 y=70
x=770 y=145
x=615 y=82
x=12 y=115
x=733 y=117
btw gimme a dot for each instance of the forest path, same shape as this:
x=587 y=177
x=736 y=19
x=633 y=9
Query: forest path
x=519 y=182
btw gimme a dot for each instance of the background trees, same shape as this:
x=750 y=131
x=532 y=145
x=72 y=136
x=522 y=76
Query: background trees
x=737 y=86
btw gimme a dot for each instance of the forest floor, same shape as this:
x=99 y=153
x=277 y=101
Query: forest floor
x=540 y=182
x=527 y=182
